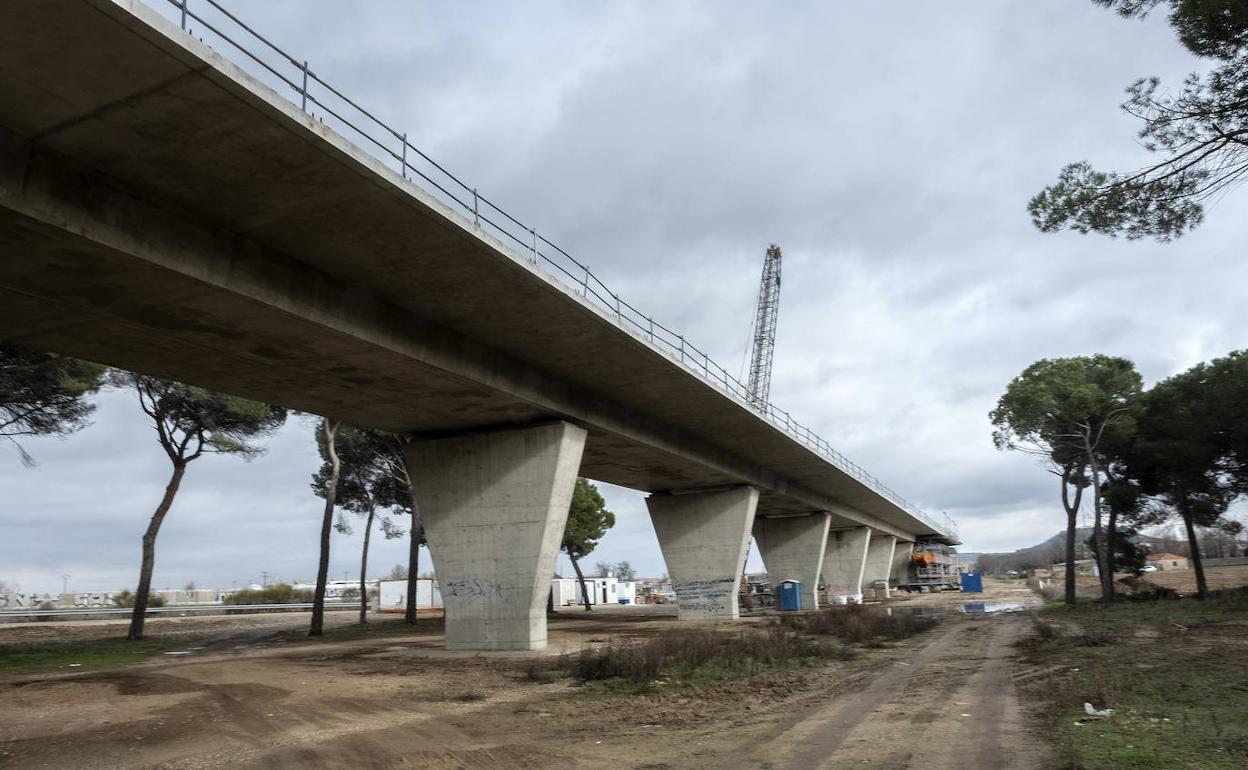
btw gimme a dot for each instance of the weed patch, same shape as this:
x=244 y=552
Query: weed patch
x=544 y=670
x=1172 y=670
x=697 y=656
x=857 y=624
x=27 y=658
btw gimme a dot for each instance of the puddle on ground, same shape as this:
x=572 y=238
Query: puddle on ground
x=980 y=608
x=967 y=608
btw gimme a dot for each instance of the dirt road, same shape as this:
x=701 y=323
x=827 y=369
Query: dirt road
x=950 y=704
x=390 y=699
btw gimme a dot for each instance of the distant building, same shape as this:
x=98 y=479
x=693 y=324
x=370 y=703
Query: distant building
x=1167 y=560
x=602 y=590
x=392 y=595
x=192 y=597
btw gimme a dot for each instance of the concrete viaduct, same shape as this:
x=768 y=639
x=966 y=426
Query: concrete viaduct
x=163 y=211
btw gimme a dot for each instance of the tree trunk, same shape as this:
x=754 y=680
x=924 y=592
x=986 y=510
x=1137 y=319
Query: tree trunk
x=1098 y=532
x=413 y=562
x=327 y=524
x=576 y=566
x=1111 y=535
x=149 y=553
x=368 y=531
x=1193 y=547
x=1072 y=525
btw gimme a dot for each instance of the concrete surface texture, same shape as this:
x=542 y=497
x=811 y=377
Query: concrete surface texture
x=703 y=536
x=792 y=548
x=844 y=559
x=879 y=564
x=177 y=217
x=901 y=560
x=494 y=506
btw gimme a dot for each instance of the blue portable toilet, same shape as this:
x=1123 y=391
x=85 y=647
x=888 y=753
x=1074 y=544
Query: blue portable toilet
x=972 y=583
x=790 y=595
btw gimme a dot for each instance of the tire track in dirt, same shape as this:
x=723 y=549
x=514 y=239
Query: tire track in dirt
x=983 y=725
x=911 y=715
x=817 y=736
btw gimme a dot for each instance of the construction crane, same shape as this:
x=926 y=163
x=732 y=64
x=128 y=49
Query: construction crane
x=763 y=345
x=762 y=349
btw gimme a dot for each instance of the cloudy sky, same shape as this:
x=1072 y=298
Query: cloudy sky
x=890 y=150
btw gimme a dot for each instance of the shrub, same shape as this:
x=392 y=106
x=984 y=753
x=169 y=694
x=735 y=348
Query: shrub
x=281 y=593
x=126 y=599
x=543 y=670
x=699 y=653
x=856 y=624
x=1050 y=588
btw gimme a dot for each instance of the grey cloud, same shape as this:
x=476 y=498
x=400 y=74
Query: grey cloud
x=890 y=150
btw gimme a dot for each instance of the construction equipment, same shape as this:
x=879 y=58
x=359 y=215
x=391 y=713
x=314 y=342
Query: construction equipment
x=763 y=345
x=762 y=348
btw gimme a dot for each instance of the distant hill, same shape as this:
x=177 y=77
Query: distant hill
x=1039 y=555
x=1054 y=550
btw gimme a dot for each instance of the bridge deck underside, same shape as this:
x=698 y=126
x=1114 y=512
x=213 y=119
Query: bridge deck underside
x=211 y=202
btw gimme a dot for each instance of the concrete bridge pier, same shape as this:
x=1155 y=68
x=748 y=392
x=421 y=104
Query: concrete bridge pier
x=792 y=548
x=901 y=562
x=844 y=561
x=703 y=535
x=879 y=564
x=494 y=506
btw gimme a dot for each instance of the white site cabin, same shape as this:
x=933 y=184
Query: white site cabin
x=602 y=590
x=392 y=595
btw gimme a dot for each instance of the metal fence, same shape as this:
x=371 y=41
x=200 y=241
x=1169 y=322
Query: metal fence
x=286 y=73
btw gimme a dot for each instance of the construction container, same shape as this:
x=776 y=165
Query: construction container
x=790 y=595
x=972 y=583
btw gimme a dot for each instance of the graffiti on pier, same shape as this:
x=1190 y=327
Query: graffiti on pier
x=712 y=596
x=473 y=589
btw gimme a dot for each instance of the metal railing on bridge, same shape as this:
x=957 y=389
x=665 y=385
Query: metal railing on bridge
x=281 y=71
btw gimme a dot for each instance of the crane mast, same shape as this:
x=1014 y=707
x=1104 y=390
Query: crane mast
x=764 y=342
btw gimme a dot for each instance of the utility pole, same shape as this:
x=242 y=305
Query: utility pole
x=264 y=579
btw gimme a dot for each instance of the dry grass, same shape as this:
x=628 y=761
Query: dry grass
x=699 y=654
x=858 y=624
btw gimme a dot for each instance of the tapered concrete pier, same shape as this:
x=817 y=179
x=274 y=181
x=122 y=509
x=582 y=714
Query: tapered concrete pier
x=844 y=560
x=902 y=552
x=792 y=548
x=494 y=506
x=879 y=561
x=703 y=536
